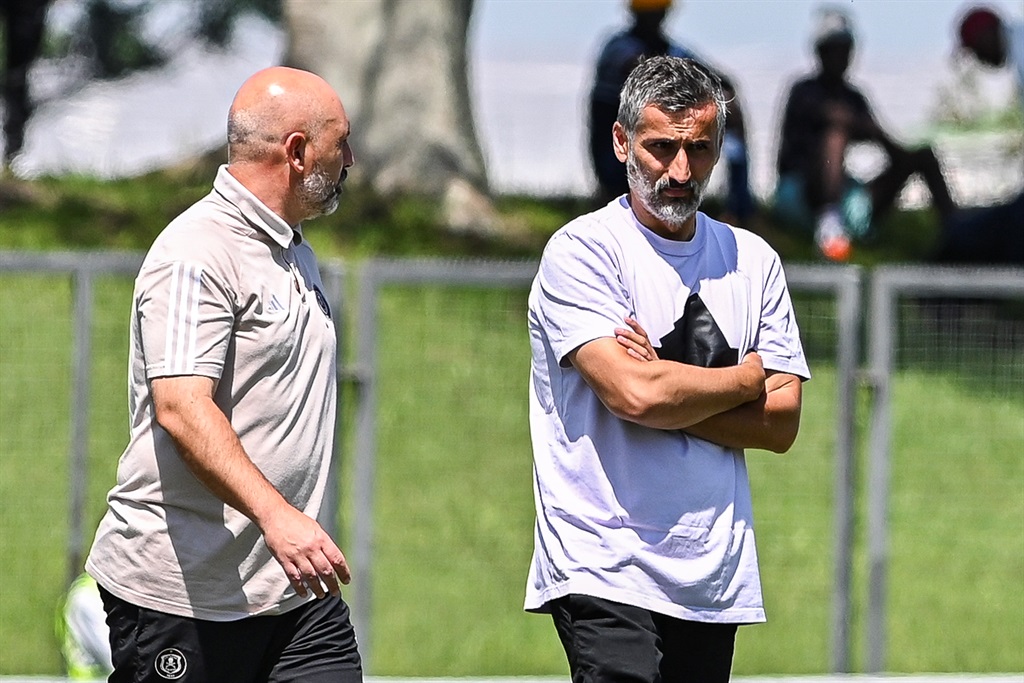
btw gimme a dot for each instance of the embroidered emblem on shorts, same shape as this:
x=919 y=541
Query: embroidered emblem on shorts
x=322 y=300
x=171 y=664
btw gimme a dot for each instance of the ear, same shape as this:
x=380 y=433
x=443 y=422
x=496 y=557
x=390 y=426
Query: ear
x=620 y=142
x=295 y=150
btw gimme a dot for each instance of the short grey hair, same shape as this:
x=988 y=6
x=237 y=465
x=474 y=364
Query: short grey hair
x=672 y=84
x=248 y=138
x=251 y=136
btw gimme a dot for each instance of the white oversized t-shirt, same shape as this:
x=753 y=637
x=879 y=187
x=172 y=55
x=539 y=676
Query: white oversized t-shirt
x=647 y=517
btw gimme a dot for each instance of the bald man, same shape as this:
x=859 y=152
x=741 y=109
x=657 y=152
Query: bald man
x=212 y=560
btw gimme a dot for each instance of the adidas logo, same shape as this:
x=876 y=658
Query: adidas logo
x=274 y=306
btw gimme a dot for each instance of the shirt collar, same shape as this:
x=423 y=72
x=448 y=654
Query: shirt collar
x=667 y=246
x=255 y=211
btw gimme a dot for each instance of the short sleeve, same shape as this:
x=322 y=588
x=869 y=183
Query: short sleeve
x=580 y=296
x=185 y=317
x=779 y=336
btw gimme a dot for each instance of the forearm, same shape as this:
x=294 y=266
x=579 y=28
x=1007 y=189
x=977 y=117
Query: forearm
x=664 y=394
x=770 y=422
x=211 y=450
x=679 y=395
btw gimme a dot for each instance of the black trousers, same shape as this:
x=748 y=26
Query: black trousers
x=610 y=642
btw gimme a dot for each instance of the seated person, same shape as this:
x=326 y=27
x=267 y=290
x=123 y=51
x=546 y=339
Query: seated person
x=620 y=54
x=823 y=116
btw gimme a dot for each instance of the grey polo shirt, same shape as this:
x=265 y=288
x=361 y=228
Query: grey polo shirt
x=231 y=292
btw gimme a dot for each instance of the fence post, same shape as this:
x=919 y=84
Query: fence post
x=847 y=359
x=882 y=337
x=78 y=466
x=844 y=283
x=363 y=474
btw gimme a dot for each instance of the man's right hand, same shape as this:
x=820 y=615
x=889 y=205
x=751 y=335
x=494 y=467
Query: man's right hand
x=308 y=555
x=754 y=375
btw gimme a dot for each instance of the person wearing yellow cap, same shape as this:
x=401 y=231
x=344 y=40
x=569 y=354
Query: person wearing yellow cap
x=824 y=115
x=623 y=51
x=649 y=5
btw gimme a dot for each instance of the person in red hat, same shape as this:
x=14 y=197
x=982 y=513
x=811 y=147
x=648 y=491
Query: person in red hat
x=988 y=234
x=992 y=41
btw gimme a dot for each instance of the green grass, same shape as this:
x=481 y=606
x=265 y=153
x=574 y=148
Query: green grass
x=957 y=528
x=34 y=391
x=454 y=509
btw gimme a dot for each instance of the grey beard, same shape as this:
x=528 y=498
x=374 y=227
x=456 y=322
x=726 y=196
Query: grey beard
x=672 y=211
x=318 y=194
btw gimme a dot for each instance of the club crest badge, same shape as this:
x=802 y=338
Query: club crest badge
x=171 y=664
x=322 y=300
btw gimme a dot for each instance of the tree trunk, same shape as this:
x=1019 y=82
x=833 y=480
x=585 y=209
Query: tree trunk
x=400 y=68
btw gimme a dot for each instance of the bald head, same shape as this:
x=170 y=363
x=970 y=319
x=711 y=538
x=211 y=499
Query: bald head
x=288 y=142
x=275 y=102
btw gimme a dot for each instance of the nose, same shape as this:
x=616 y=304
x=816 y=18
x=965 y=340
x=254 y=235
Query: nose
x=347 y=157
x=679 y=167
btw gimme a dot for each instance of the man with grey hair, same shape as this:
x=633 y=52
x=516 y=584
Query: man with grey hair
x=644 y=543
x=212 y=560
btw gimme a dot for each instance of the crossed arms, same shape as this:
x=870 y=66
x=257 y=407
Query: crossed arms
x=742 y=406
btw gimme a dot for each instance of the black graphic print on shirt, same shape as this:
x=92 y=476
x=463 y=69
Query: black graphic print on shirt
x=696 y=339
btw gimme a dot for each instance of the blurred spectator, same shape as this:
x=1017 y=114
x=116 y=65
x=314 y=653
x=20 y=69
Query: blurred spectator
x=23 y=37
x=620 y=54
x=81 y=629
x=823 y=116
x=991 y=234
x=994 y=42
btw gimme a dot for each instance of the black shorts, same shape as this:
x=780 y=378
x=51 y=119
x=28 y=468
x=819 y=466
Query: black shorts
x=314 y=643
x=609 y=641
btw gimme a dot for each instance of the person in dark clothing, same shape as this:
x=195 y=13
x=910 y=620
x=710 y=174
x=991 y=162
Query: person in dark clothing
x=824 y=114
x=620 y=54
x=24 y=21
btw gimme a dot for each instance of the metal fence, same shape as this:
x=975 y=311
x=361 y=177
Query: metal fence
x=966 y=327
x=839 y=327
x=455 y=333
